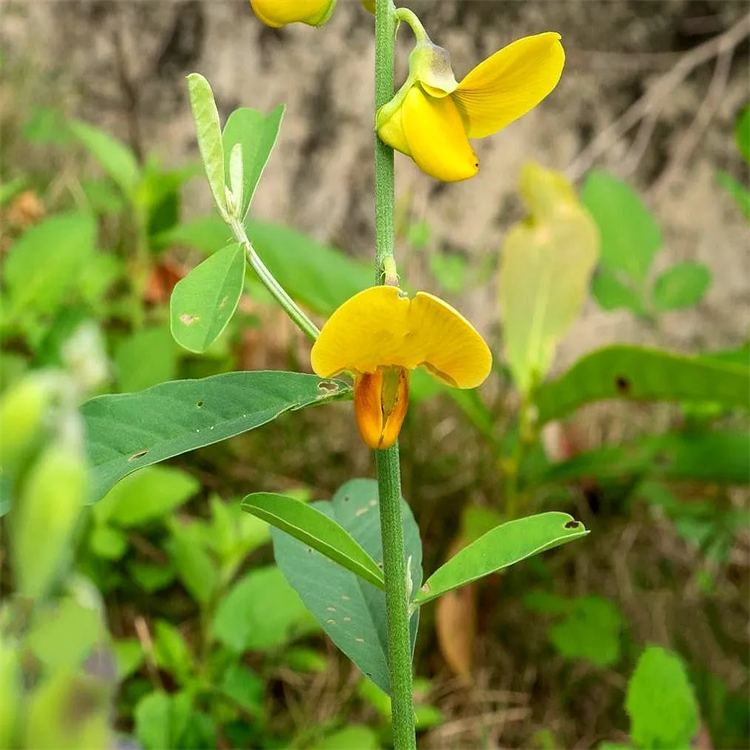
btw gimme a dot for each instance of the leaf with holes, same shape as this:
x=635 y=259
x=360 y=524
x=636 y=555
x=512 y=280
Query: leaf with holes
x=204 y=301
x=315 y=529
x=351 y=610
x=208 y=132
x=505 y=545
x=681 y=285
x=256 y=133
x=128 y=431
x=641 y=374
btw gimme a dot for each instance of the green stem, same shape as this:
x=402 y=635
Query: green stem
x=387 y=461
x=396 y=593
x=411 y=20
x=269 y=281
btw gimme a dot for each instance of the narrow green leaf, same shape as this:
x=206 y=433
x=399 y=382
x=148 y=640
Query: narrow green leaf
x=256 y=133
x=45 y=262
x=208 y=132
x=505 y=545
x=737 y=190
x=315 y=529
x=545 y=267
x=630 y=238
x=681 y=285
x=742 y=133
x=661 y=703
x=128 y=431
x=640 y=374
x=351 y=611
x=197 y=571
x=611 y=293
x=117 y=159
x=717 y=456
x=204 y=301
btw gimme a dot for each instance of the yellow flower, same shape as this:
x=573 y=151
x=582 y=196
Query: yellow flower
x=379 y=336
x=432 y=117
x=277 y=13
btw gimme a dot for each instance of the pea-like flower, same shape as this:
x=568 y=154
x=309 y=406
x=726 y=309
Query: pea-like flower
x=278 y=13
x=380 y=335
x=432 y=116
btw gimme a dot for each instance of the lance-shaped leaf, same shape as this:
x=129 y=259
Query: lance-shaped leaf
x=208 y=132
x=204 y=301
x=311 y=527
x=351 y=611
x=505 y=545
x=640 y=374
x=128 y=431
x=545 y=267
x=256 y=133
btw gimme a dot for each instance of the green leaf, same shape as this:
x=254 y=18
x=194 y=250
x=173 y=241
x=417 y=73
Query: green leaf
x=630 y=238
x=129 y=657
x=737 y=190
x=45 y=262
x=681 y=285
x=256 y=133
x=208 y=132
x=207 y=234
x=545 y=267
x=742 y=133
x=107 y=543
x=195 y=568
x=641 y=374
x=315 y=275
x=172 y=652
x=128 y=431
x=117 y=160
x=146 y=496
x=315 y=529
x=145 y=358
x=351 y=610
x=661 y=702
x=261 y=612
x=204 y=301
x=161 y=719
x=353 y=737
x=505 y=545
x=151 y=577
x=722 y=457
x=244 y=687
x=590 y=631
x=611 y=293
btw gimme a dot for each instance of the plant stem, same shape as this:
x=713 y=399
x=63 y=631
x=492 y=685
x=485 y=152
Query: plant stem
x=289 y=306
x=387 y=461
x=394 y=572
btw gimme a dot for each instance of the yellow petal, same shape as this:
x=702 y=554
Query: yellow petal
x=391 y=130
x=369 y=5
x=510 y=83
x=277 y=13
x=380 y=404
x=436 y=137
x=378 y=328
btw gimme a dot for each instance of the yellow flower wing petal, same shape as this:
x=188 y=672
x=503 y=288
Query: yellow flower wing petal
x=391 y=131
x=379 y=328
x=436 y=137
x=277 y=13
x=508 y=84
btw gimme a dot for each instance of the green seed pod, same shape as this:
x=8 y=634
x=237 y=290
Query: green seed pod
x=45 y=515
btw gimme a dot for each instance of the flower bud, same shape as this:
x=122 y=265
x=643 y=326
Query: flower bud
x=278 y=13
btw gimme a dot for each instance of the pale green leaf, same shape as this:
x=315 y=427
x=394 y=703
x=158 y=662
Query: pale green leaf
x=505 y=545
x=315 y=529
x=611 y=293
x=204 y=301
x=208 y=132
